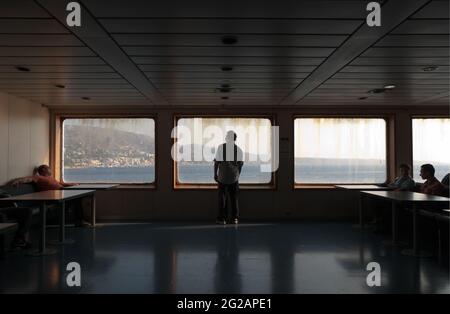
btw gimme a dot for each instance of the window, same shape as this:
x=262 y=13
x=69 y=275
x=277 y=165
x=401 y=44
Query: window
x=431 y=145
x=112 y=150
x=198 y=138
x=340 y=150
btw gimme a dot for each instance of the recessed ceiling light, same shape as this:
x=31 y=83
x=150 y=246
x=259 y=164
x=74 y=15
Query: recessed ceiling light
x=60 y=86
x=86 y=98
x=377 y=91
x=22 y=69
x=227 y=68
x=229 y=40
x=389 y=86
x=430 y=68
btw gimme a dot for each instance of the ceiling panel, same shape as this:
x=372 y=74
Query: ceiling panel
x=49 y=40
x=51 y=61
x=64 y=75
x=228 y=51
x=275 y=60
x=155 y=76
x=60 y=68
x=21 y=9
x=414 y=41
x=217 y=68
x=438 y=9
x=45 y=51
x=413 y=61
x=330 y=9
x=393 y=75
x=408 y=52
x=378 y=83
x=65 y=81
x=392 y=68
x=206 y=40
x=31 y=26
x=230 y=26
x=429 y=26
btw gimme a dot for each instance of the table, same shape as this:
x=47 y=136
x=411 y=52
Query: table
x=409 y=198
x=91 y=187
x=365 y=187
x=361 y=187
x=51 y=197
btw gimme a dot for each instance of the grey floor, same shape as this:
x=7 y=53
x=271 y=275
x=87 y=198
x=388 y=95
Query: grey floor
x=205 y=258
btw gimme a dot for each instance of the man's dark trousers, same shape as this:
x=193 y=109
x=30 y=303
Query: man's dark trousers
x=231 y=190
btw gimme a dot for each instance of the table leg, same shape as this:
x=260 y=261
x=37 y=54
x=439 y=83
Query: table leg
x=394 y=212
x=394 y=223
x=93 y=210
x=62 y=228
x=416 y=237
x=439 y=246
x=42 y=250
x=416 y=231
x=62 y=222
x=2 y=246
x=361 y=211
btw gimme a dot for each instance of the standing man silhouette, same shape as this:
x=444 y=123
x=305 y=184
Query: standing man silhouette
x=227 y=168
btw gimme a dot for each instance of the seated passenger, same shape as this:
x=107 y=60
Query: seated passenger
x=431 y=185
x=404 y=182
x=42 y=179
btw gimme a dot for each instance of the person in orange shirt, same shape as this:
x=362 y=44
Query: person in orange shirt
x=42 y=179
x=431 y=185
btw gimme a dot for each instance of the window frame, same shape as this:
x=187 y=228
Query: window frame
x=388 y=122
x=59 y=142
x=176 y=185
x=420 y=116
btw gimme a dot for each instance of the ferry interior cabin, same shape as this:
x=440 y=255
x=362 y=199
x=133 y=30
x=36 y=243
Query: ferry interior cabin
x=224 y=147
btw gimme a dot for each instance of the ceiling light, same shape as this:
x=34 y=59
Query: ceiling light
x=390 y=86
x=377 y=91
x=227 y=68
x=229 y=40
x=430 y=68
x=22 y=69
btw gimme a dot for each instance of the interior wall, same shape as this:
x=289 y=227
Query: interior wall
x=163 y=202
x=24 y=136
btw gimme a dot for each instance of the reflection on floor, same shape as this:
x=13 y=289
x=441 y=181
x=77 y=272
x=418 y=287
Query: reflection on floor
x=201 y=258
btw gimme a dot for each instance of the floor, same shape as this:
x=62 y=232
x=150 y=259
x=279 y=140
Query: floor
x=202 y=258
